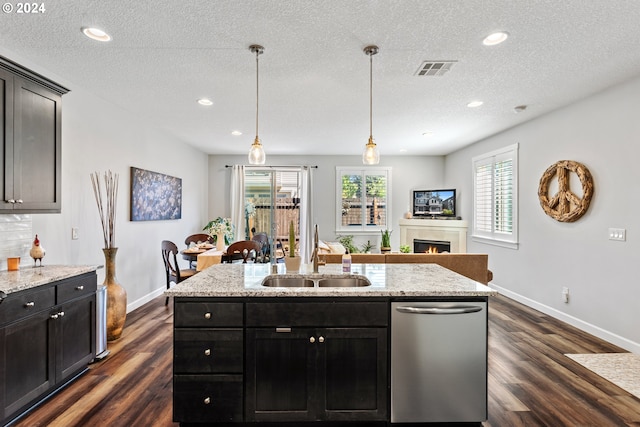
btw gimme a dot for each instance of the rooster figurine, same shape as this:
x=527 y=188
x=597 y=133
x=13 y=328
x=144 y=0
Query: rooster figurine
x=37 y=252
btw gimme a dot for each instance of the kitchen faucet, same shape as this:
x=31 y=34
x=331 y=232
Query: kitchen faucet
x=316 y=258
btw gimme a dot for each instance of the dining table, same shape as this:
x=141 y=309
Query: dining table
x=209 y=257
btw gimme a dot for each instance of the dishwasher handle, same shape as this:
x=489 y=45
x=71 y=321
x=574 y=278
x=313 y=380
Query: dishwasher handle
x=462 y=309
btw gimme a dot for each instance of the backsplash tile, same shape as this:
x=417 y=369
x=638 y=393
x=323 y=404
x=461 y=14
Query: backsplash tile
x=15 y=238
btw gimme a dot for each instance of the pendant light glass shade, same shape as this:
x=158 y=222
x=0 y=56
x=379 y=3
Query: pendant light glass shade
x=256 y=153
x=370 y=155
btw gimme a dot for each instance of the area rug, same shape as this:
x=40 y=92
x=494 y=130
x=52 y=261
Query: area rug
x=622 y=369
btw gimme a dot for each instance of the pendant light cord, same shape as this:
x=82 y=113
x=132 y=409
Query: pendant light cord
x=370 y=95
x=257 y=90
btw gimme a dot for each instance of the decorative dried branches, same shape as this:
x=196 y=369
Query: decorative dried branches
x=108 y=215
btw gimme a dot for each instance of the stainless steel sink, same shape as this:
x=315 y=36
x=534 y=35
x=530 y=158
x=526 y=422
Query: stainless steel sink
x=343 y=282
x=306 y=282
x=287 y=282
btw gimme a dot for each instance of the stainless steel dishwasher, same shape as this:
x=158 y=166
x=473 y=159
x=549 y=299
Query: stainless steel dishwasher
x=438 y=362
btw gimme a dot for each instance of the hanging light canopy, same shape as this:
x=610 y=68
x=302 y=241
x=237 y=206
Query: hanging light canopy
x=371 y=156
x=256 y=153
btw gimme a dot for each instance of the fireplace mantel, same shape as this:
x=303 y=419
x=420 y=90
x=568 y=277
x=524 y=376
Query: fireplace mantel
x=454 y=231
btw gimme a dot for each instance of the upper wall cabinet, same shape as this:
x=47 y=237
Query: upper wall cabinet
x=31 y=141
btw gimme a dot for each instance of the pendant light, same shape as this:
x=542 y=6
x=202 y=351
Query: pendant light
x=371 y=156
x=256 y=153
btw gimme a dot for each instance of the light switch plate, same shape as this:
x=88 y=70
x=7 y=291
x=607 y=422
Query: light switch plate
x=74 y=233
x=619 y=234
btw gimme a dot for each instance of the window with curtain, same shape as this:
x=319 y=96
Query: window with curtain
x=269 y=199
x=495 y=197
x=363 y=199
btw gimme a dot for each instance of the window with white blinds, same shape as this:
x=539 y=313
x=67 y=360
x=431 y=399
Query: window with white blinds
x=495 y=197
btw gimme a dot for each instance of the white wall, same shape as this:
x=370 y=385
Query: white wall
x=99 y=136
x=407 y=173
x=602 y=132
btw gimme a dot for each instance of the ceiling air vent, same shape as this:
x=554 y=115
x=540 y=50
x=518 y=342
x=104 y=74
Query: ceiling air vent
x=434 y=68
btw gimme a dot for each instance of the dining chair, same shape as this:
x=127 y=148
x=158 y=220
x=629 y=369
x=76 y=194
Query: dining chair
x=172 y=270
x=243 y=249
x=197 y=238
x=265 y=248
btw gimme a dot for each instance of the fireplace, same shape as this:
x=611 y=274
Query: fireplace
x=431 y=246
x=451 y=231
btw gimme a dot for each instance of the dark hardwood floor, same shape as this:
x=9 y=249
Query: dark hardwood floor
x=531 y=382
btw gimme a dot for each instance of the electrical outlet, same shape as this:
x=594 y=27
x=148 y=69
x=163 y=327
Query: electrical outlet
x=619 y=234
x=74 y=233
x=565 y=295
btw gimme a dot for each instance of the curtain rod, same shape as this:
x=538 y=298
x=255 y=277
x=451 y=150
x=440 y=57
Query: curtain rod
x=271 y=167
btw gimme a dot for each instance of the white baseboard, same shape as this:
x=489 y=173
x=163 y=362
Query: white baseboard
x=145 y=299
x=625 y=343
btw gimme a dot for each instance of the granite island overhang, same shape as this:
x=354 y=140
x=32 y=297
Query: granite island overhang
x=387 y=280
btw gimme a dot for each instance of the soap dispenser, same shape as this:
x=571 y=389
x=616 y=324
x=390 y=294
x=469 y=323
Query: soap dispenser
x=346 y=262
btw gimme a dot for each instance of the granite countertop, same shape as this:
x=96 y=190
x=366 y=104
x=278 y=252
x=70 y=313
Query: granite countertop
x=387 y=280
x=30 y=277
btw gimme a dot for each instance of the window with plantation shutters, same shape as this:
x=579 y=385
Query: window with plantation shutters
x=363 y=201
x=495 y=198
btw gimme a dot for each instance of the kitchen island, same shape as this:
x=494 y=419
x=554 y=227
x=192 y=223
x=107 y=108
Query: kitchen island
x=245 y=353
x=47 y=332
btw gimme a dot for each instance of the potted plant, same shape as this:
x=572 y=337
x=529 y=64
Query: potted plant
x=221 y=230
x=385 y=244
x=405 y=249
x=347 y=242
x=292 y=261
x=366 y=247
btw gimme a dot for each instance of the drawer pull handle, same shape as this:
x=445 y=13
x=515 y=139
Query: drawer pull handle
x=54 y=316
x=312 y=340
x=61 y=314
x=207 y=315
x=321 y=339
x=79 y=288
x=30 y=304
x=207 y=400
x=207 y=352
x=19 y=201
x=11 y=201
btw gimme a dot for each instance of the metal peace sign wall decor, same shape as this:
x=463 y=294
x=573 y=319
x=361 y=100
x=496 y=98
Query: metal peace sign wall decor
x=565 y=205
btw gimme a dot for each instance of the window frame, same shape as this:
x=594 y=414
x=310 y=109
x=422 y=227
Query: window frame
x=496 y=237
x=363 y=171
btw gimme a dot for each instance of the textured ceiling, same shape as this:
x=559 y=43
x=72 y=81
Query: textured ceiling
x=314 y=76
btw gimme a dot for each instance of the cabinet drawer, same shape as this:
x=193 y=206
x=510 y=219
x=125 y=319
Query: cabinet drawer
x=318 y=314
x=76 y=287
x=203 y=351
x=207 y=314
x=22 y=304
x=207 y=398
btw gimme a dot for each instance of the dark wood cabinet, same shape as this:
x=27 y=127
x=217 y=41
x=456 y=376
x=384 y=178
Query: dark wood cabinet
x=258 y=360
x=208 y=361
x=335 y=371
x=319 y=374
x=31 y=139
x=47 y=336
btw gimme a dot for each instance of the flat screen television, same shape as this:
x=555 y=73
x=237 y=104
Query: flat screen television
x=434 y=203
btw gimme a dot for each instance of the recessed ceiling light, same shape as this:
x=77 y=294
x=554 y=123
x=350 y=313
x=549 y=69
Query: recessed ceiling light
x=427 y=134
x=519 y=108
x=495 y=38
x=236 y=133
x=96 y=34
x=204 y=101
x=403 y=150
x=474 y=104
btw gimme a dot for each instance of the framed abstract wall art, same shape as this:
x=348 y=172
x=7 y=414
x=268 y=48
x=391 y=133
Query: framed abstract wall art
x=155 y=196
